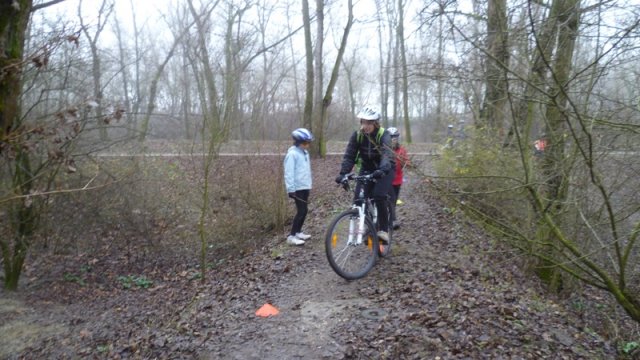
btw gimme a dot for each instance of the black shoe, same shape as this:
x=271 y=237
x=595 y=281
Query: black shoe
x=383 y=236
x=396 y=225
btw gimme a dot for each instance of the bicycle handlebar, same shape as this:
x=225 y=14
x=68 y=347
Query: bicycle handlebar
x=363 y=178
x=358 y=178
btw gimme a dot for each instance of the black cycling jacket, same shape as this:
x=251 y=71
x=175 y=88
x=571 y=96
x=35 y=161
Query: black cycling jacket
x=372 y=155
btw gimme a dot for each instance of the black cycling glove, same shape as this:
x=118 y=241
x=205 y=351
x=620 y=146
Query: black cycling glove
x=377 y=174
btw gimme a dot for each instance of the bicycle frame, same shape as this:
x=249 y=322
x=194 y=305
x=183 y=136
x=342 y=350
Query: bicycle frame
x=351 y=242
x=359 y=229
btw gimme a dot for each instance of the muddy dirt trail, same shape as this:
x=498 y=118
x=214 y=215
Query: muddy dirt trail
x=446 y=292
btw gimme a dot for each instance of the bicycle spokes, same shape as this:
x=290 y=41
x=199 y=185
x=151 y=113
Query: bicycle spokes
x=349 y=249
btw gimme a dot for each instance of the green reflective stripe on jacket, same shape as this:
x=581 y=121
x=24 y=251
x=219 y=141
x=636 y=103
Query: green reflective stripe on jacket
x=359 y=141
x=378 y=136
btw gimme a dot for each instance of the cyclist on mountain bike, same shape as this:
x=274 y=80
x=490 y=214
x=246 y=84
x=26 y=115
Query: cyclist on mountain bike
x=371 y=148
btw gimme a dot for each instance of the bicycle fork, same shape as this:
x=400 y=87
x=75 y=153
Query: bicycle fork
x=357 y=227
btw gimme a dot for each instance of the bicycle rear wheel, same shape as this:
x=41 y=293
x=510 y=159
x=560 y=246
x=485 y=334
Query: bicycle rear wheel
x=347 y=258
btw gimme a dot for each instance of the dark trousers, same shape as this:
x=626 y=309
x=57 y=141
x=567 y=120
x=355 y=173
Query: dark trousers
x=380 y=192
x=302 y=202
x=395 y=194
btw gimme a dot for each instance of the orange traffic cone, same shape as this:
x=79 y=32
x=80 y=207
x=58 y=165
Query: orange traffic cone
x=267 y=310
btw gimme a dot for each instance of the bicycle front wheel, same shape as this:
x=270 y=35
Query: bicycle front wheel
x=349 y=258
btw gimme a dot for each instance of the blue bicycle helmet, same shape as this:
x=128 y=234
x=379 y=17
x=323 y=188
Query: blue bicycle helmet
x=302 y=135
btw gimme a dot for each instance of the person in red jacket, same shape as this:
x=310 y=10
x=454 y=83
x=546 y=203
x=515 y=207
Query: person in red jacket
x=402 y=160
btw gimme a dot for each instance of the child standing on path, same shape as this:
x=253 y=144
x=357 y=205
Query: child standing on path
x=297 y=180
x=402 y=160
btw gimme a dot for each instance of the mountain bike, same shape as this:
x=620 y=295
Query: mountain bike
x=351 y=241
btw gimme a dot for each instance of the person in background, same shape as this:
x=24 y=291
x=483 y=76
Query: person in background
x=402 y=160
x=461 y=135
x=297 y=180
x=449 y=141
x=450 y=131
x=539 y=146
x=371 y=146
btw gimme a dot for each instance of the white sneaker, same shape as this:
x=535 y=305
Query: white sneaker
x=303 y=236
x=384 y=236
x=292 y=240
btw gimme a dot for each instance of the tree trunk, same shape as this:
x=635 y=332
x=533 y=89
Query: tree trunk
x=308 y=47
x=333 y=80
x=233 y=73
x=122 y=55
x=405 y=74
x=138 y=94
x=23 y=217
x=495 y=107
x=525 y=118
x=292 y=48
x=13 y=26
x=186 y=102
x=96 y=69
x=440 y=75
x=319 y=107
x=554 y=164
x=153 y=89
x=384 y=70
x=396 y=81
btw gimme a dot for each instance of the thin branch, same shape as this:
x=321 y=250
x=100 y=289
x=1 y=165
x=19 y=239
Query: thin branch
x=86 y=187
x=44 y=5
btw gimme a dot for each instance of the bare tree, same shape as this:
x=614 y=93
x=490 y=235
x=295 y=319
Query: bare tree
x=565 y=18
x=153 y=87
x=12 y=37
x=323 y=99
x=106 y=8
x=495 y=109
x=32 y=153
x=577 y=217
x=130 y=59
x=405 y=73
x=126 y=81
x=387 y=58
x=439 y=118
x=296 y=89
x=213 y=128
x=309 y=73
x=317 y=124
x=15 y=20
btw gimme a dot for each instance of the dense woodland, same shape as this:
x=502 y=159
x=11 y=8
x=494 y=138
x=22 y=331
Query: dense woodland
x=79 y=79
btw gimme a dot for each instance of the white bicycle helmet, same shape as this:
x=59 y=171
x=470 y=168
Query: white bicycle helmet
x=369 y=112
x=302 y=134
x=393 y=132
